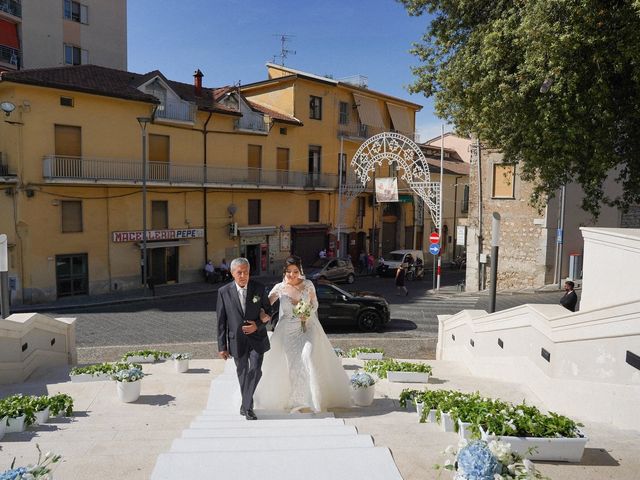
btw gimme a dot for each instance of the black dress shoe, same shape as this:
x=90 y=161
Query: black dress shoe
x=242 y=411
x=250 y=415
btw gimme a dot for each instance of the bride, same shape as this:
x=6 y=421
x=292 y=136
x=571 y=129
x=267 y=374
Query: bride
x=301 y=371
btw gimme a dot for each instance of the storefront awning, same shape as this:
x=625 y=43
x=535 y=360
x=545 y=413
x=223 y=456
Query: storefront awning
x=369 y=111
x=256 y=231
x=400 y=118
x=176 y=243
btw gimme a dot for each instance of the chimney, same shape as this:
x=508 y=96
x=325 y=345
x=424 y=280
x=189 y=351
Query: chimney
x=197 y=82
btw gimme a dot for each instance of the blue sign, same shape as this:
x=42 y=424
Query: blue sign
x=559 y=235
x=434 y=248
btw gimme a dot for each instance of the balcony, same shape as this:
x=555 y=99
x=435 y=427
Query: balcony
x=12 y=7
x=360 y=131
x=252 y=122
x=181 y=112
x=5 y=176
x=10 y=55
x=59 y=169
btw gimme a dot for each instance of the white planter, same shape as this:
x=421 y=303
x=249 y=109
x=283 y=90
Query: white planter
x=128 y=391
x=140 y=359
x=42 y=416
x=181 y=366
x=544 y=449
x=419 y=408
x=370 y=356
x=431 y=416
x=464 y=430
x=3 y=426
x=446 y=422
x=87 y=377
x=16 y=424
x=408 y=377
x=363 y=396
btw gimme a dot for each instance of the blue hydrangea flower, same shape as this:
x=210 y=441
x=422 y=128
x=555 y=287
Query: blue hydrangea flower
x=477 y=462
x=13 y=474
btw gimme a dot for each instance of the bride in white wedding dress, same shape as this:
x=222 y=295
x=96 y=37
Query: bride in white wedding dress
x=301 y=370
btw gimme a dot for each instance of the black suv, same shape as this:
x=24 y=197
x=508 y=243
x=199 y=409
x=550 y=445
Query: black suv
x=338 y=308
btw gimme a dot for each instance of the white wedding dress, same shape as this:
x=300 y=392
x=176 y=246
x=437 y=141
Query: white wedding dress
x=301 y=370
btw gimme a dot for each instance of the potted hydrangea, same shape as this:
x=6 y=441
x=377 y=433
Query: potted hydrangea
x=181 y=361
x=128 y=384
x=363 y=388
x=41 y=470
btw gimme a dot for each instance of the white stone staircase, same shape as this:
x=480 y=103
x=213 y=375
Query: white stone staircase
x=221 y=443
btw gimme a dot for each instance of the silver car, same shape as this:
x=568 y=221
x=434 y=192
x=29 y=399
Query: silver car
x=332 y=269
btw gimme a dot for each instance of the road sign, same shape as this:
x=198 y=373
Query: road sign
x=434 y=248
x=434 y=238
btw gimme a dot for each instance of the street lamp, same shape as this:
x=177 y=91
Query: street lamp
x=144 y=121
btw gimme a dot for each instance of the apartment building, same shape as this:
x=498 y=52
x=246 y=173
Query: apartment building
x=51 y=33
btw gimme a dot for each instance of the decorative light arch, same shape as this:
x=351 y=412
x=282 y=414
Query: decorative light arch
x=394 y=148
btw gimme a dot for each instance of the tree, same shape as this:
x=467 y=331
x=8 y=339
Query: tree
x=554 y=84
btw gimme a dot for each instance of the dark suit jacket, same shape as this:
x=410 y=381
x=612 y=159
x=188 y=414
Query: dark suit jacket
x=230 y=319
x=569 y=300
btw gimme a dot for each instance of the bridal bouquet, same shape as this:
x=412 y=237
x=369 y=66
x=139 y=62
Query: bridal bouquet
x=302 y=310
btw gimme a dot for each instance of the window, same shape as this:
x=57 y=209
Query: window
x=71 y=216
x=254 y=212
x=66 y=101
x=503 y=180
x=72 y=275
x=344 y=113
x=159 y=215
x=342 y=167
x=360 y=214
x=315 y=107
x=315 y=154
x=76 y=12
x=282 y=165
x=314 y=210
x=254 y=162
x=68 y=141
x=159 y=155
x=75 y=55
x=465 y=200
x=283 y=131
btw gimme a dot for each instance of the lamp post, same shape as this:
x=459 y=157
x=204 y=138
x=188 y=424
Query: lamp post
x=4 y=277
x=144 y=121
x=495 y=245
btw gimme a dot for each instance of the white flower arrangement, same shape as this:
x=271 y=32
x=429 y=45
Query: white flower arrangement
x=255 y=299
x=302 y=310
x=40 y=470
x=494 y=460
x=362 y=380
x=181 y=356
x=130 y=375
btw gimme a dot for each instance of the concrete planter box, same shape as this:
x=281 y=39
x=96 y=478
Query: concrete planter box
x=141 y=359
x=3 y=426
x=363 y=396
x=446 y=422
x=544 y=449
x=16 y=425
x=42 y=417
x=87 y=377
x=408 y=377
x=181 y=366
x=419 y=408
x=370 y=356
x=128 y=391
x=464 y=430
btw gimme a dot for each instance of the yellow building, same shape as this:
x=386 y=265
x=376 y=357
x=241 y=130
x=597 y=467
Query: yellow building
x=251 y=170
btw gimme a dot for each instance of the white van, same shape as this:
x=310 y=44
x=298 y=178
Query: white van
x=393 y=260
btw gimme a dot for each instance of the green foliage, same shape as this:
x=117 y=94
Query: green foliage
x=555 y=85
x=17 y=405
x=61 y=404
x=381 y=367
x=106 y=368
x=408 y=394
x=157 y=354
x=355 y=351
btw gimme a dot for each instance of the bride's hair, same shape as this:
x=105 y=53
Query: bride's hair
x=292 y=260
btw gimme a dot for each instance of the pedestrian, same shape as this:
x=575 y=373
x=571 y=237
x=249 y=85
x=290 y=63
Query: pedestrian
x=362 y=262
x=209 y=272
x=370 y=263
x=400 y=276
x=322 y=253
x=570 y=298
x=224 y=270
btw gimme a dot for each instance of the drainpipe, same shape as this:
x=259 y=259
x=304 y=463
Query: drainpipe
x=455 y=214
x=204 y=187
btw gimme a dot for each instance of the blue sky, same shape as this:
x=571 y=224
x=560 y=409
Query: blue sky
x=231 y=40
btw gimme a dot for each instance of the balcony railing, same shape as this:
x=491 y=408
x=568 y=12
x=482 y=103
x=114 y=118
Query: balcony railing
x=362 y=131
x=253 y=122
x=10 y=55
x=12 y=7
x=57 y=167
x=184 y=111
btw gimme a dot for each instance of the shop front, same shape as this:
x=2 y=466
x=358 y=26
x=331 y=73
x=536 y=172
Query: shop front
x=308 y=240
x=254 y=246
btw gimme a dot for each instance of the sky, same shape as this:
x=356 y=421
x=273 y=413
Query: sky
x=230 y=41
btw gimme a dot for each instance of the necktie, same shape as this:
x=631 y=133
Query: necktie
x=242 y=294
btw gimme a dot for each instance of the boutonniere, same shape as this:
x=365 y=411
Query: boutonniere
x=256 y=298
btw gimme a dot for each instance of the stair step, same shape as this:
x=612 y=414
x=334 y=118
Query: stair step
x=244 y=423
x=271 y=443
x=262 y=414
x=373 y=463
x=269 y=432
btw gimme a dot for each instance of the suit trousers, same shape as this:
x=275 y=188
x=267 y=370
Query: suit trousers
x=249 y=370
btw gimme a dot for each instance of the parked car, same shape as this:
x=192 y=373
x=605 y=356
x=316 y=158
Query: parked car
x=332 y=269
x=394 y=259
x=336 y=307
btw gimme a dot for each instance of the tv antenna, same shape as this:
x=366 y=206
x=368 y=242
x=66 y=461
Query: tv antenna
x=284 y=52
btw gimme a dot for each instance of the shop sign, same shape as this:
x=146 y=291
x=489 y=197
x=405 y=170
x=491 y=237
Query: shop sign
x=153 y=235
x=253 y=239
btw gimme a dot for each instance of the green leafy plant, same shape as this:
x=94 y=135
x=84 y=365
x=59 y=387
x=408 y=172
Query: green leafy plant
x=181 y=356
x=61 y=404
x=17 y=405
x=156 y=354
x=107 y=368
x=381 y=367
x=408 y=394
x=355 y=351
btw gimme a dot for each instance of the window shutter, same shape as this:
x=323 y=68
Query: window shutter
x=84 y=57
x=71 y=216
x=84 y=15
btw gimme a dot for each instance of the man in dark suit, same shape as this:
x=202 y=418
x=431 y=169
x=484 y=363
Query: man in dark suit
x=570 y=298
x=242 y=334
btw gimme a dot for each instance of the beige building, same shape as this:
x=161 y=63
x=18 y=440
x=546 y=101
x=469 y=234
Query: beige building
x=51 y=33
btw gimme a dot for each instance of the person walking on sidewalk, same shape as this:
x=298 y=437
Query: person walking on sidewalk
x=401 y=273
